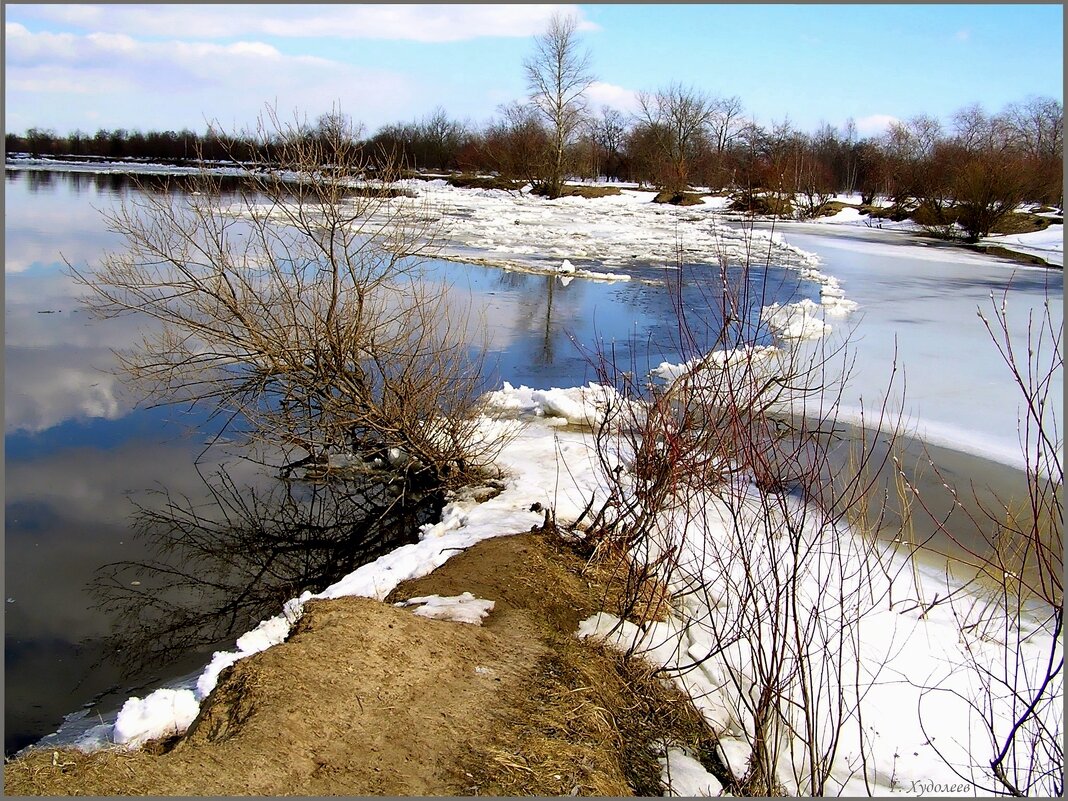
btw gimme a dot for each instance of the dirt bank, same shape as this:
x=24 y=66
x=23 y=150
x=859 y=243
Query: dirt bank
x=368 y=698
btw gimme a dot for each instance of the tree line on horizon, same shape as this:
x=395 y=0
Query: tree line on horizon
x=972 y=171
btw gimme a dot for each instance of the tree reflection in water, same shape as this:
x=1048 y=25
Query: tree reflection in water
x=222 y=565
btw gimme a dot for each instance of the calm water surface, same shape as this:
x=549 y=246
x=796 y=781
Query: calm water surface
x=82 y=456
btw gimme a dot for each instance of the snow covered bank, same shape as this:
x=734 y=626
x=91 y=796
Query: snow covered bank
x=551 y=465
x=1047 y=244
x=902 y=664
x=894 y=681
x=543 y=465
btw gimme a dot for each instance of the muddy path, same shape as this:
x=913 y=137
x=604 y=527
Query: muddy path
x=366 y=698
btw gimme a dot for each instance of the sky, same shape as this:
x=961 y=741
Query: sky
x=167 y=66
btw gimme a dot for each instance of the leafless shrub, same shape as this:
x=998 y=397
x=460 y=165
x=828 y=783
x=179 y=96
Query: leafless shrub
x=722 y=487
x=1016 y=598
x=745 y=514
x=296 y=306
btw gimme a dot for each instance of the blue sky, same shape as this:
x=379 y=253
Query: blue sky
x=172 y=66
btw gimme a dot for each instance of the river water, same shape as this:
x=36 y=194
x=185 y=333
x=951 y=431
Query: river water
x=82 y=456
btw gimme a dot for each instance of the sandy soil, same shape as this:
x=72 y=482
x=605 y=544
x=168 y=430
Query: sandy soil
x=368 y=698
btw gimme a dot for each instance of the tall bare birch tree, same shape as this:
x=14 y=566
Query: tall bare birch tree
x=558 y=74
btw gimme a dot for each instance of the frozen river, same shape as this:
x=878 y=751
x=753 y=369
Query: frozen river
x=918 y=305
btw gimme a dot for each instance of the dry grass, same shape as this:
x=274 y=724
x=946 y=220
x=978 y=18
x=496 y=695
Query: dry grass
x=51 y=772
x=894 y=213
x=542 y=713
x=592 y=718
x=1017 y=223
x=589 y=192
x=766 y=205
x=465 y=181
x=1014 y=255
x=628 y=592
x=573 y=190
x=679 y=198
x=594 y=724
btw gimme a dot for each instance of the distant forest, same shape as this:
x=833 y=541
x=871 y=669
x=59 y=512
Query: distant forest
x=681 y=138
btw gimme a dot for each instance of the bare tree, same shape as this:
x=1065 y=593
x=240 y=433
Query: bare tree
x=1038 y=124
x=1037 y=127
x=973 y=128
x=609 y=132
x=295 y=307
x=726 y=122
x=558 y=75
x=517 y=144
x=679 y=118
x=725 y=129
x=438 y=140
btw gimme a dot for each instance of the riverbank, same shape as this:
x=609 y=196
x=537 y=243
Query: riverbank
x=539 y=468
x=367 y=698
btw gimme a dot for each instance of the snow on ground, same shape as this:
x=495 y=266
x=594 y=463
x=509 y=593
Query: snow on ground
x=902 y=647
x=881 y=635
x=844 y=216
x=1047 y=244
x=685 y=777
x=718 y=359
x=462 y=608
x=801 y=320
x=162 y=713
x=535 y=464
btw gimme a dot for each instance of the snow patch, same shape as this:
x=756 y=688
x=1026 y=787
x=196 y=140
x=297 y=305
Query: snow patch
x=575 y=405
x=161 y=714
x=463 y=608
x=685 y=777
x=801 y=320
x=717 y=360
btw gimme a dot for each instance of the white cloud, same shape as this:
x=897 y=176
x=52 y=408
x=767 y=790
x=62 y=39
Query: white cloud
x=151 y=79
x=422 y=23
x=607 y=94
x=70 y=386
x=875 y=124
x=963 y=35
